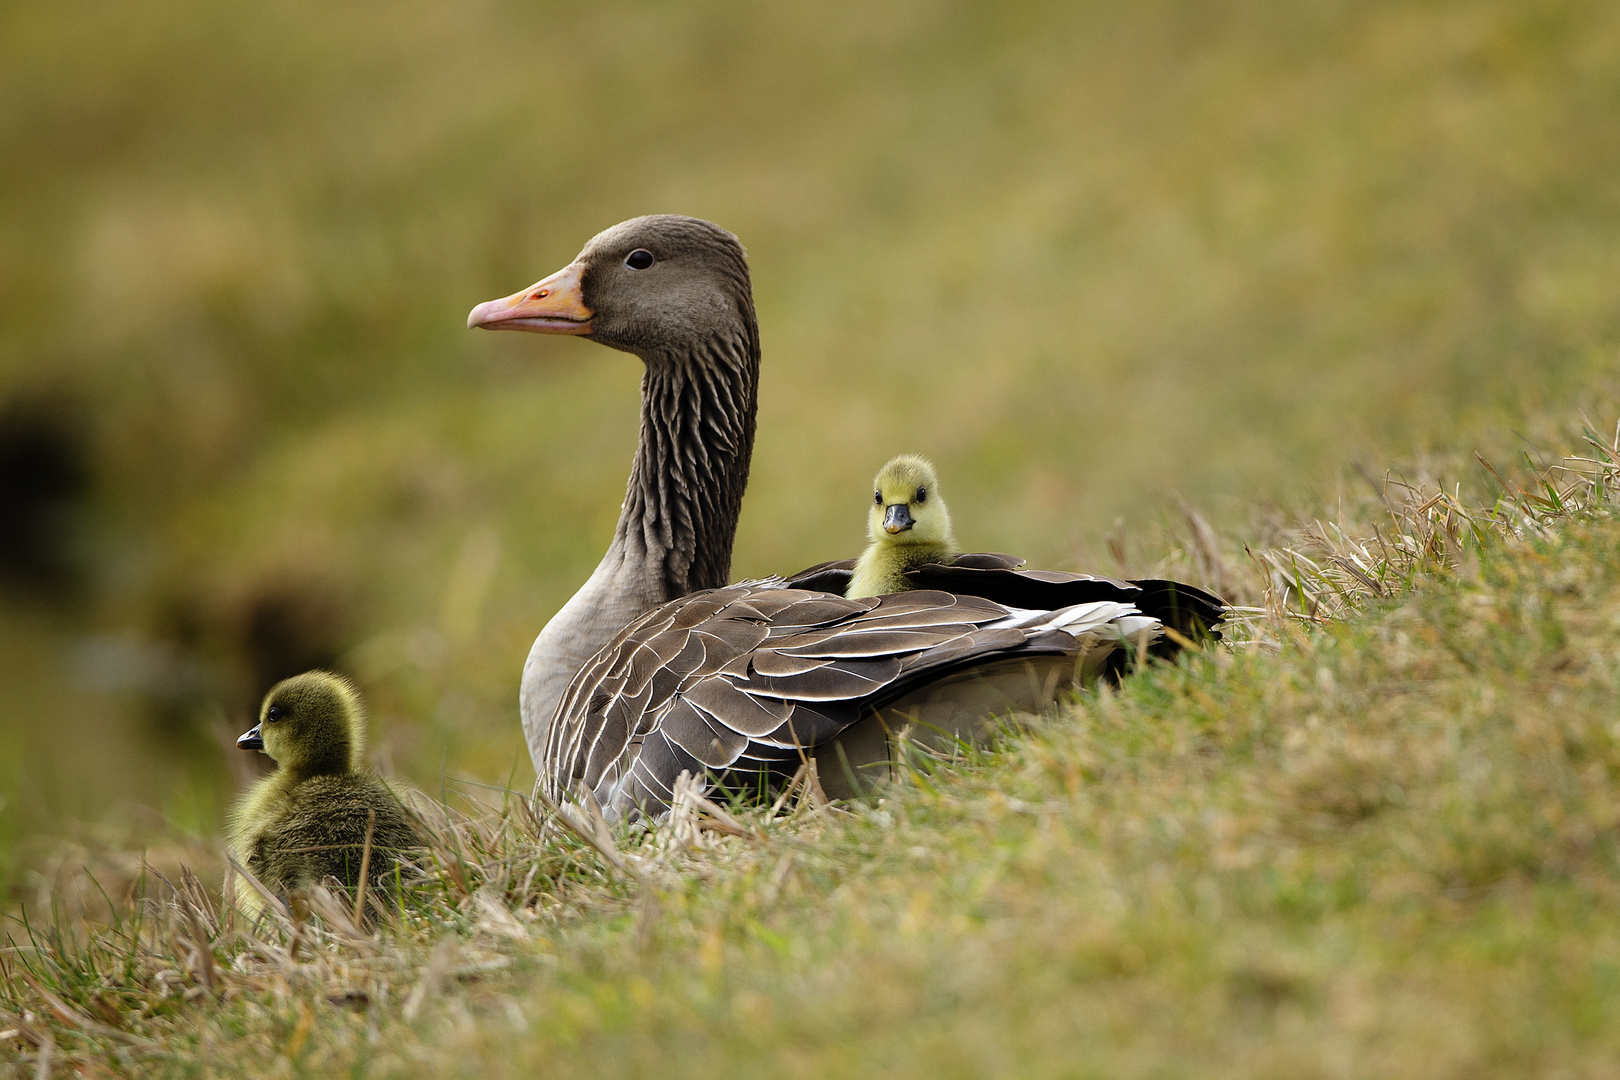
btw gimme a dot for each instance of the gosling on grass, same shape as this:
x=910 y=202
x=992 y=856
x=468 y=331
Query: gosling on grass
x=909 y=527
x=306 y=822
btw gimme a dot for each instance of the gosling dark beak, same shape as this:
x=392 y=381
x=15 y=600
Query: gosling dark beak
x=251 y=741
x=552 y=306
x=896 y=518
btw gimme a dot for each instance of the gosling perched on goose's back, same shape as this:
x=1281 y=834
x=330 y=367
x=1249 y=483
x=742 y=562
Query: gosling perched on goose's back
x=307 y=821
x=909 y=527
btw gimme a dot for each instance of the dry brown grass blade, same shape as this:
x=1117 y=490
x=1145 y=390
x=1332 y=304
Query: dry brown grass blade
x=779 y=876
x=813 y=795
x=690 y=803
x=23 y=1029
x=74 y=1018
x=197 y=894
x=365 y=869
x=337 y=918
x=1179 y=638
x=591 y=829
x=201 y=941
x=272 y=902
x=47 y=1050
x=1205 y=548
x=793 y=785
x=602 y=834
x=496 y=918
x=227 y=896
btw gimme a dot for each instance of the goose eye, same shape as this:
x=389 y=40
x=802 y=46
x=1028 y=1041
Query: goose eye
x=273 y=713
x=639 y=259
x=922 y=494
x=877 y=498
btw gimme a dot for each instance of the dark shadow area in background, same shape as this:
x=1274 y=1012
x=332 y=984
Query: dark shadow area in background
x=45 y=479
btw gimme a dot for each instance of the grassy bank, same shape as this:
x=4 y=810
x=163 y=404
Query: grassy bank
x=1375 y=839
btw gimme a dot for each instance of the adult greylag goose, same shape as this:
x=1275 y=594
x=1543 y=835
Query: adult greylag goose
x=656 y=666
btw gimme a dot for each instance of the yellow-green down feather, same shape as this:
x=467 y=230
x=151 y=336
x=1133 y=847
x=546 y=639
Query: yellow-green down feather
x=306 y=822
x=908 y=524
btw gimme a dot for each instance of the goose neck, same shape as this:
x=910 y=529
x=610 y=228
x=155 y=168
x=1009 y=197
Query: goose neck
x=684 y=495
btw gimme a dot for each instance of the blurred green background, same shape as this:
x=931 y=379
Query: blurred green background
x=1089 y=256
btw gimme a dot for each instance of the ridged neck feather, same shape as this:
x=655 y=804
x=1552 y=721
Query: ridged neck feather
x=686 y=485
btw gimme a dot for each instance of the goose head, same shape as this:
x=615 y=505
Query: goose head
x=310 y=723
x=907 y=507
x=655 y=286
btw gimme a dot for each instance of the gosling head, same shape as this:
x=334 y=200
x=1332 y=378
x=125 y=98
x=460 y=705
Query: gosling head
x=907 y=507
x=656 y=285
x=310 y=723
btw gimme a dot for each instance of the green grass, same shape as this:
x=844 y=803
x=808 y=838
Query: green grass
x=1379 y=841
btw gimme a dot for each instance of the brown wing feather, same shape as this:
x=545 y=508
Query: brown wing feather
x=857 y=643
x=834 y=681
x=751 y=714
x=714 y=744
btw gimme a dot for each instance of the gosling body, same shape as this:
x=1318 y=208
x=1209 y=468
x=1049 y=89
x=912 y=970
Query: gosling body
x=909 y=527
x=307 y=822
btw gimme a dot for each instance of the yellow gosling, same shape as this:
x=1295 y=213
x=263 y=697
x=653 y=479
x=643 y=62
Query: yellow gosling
x=306 y=822
x=909 y=527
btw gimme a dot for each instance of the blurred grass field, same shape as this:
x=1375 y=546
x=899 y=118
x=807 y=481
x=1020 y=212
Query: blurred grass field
x=1090 y=257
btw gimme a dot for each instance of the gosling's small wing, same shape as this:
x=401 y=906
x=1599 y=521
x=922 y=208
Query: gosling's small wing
x=740 y=683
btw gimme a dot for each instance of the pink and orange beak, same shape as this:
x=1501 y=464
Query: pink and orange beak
x=552 y=306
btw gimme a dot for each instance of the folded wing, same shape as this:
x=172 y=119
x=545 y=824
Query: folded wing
x=741 y=684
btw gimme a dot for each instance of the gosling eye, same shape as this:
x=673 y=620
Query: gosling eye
x=274 y=713
x=922 y=494
x=639 y=259
x=877 y=498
